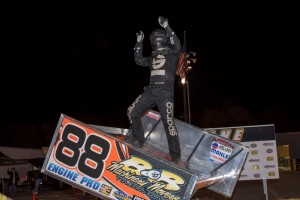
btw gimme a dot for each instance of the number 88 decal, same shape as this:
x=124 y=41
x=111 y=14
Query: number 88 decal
x=89 y=158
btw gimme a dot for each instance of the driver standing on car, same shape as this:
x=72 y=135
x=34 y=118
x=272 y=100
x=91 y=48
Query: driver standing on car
x=160 y=91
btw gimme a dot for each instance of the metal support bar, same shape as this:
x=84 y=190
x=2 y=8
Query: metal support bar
x=190 y=156
x=214 y=171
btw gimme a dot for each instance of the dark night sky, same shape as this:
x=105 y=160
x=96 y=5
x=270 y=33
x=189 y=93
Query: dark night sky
x=79 y=59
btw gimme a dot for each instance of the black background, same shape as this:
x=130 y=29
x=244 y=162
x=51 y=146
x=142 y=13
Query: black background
x=78 y=60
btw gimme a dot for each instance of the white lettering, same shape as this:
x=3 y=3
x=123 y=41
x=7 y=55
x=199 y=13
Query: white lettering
x=158 y=72
x=170 y=119
x=131 y=107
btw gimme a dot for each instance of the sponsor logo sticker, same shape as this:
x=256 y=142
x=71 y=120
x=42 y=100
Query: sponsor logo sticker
x=219 y=153
x=121 y=195
x=105 y=189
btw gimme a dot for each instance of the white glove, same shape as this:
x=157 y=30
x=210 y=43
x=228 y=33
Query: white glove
x=140 y=36
x=163 y=22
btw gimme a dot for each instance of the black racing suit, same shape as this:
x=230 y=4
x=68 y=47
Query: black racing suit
x=160 y=91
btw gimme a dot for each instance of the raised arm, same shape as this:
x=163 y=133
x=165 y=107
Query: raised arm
x=138 y=51
x=174 y=40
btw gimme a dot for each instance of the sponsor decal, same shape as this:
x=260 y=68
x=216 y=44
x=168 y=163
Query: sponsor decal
x=158 y=72
x=254 y=152
x=254 y=160
x=255 y=167
x=270 y=158
x=129 y=110
x=224 y=142
x=72 y=176
x=105 y=189
x=170 y=120
x=269 y=150
x=253 y=145
x=271 y=173
x=268 y=144
x=219 y=153
x=269 y=166
x=121 y=195
x=139 y=174
x=256 y=175
x=158 y=62
x=137 y=198
x=152 y=115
